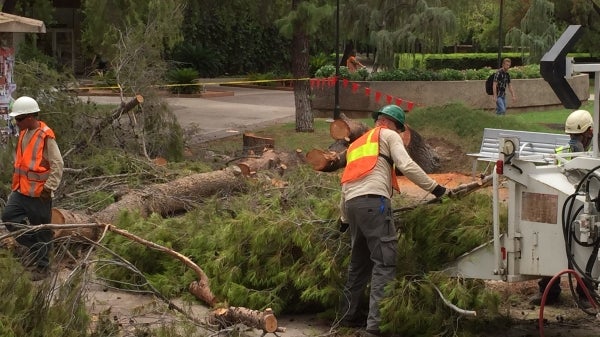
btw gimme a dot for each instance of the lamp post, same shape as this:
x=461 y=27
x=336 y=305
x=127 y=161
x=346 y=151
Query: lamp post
x=500 y=35
x=336 y=107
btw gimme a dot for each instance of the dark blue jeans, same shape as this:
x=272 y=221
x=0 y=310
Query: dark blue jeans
x=22 y=209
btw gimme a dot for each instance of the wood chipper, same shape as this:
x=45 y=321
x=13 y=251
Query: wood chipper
x=553 y=200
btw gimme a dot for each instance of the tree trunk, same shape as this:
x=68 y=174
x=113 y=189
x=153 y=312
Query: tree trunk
x=300 y=55
x=420 y=151
x=347 y=129
x=175 y=196
x=263 y=320
x=62 y=216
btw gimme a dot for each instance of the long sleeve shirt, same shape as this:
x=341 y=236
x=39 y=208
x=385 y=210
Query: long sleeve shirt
x=378 y=180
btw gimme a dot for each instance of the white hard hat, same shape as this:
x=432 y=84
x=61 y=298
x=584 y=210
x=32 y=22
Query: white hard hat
x=578 y=122
x=24 y=105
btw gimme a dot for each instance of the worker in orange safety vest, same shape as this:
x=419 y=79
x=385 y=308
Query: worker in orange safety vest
x=37 y=173
x=367 y=186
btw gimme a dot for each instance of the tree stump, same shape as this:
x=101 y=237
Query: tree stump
x=253 y=144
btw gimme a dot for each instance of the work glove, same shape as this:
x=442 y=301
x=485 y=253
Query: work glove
x=440 y=191
x=46 y=194
x=343 y=225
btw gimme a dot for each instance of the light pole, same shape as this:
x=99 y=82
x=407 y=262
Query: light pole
x=336 y=107
x=500 y=35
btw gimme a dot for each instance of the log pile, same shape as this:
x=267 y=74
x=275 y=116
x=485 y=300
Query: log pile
x=344 y=131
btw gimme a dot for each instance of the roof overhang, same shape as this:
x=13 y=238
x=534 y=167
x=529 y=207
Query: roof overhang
x=10 y=23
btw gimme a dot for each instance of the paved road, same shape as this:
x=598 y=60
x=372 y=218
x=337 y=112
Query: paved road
x=219 y=117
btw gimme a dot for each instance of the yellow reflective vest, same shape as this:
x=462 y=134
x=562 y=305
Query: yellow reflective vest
x=362 y=156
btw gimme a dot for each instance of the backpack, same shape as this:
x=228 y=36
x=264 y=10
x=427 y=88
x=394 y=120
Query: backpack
x=489 y=84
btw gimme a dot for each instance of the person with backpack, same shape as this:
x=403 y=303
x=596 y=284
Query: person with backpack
x=500 y=84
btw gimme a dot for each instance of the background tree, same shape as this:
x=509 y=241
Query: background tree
x=134 y=39
x=104 y=27
x=300 y=23
x=233 y=37
x=585 y=13
x=477 y=23
x=398 y=26
x=537 y=32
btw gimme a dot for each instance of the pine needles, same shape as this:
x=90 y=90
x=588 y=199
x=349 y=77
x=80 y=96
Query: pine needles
x=280 y=248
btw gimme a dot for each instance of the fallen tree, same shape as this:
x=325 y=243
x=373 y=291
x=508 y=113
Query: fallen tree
x=200 y=288
x=175 y=196
x=108 y=120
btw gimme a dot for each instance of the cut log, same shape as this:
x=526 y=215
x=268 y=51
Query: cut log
x=263 y=320
x=335 y=157
x=253 y=144
x=270 y=160
x=330 y=160
x=166 y=198
x=347 y=129
x=63 y=216
x=175 y=196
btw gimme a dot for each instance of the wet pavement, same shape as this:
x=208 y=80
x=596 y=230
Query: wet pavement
x=217 y=116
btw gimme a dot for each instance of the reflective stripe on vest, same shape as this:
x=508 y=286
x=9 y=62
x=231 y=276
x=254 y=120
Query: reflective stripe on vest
x=31 y=170
x=565 y=149
x=362 y=156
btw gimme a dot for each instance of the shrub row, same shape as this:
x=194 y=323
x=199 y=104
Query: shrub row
x=464 y=61
x=415 y=74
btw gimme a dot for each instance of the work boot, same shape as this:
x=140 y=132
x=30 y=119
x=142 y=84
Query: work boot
x=353 y=323
x=537 y=299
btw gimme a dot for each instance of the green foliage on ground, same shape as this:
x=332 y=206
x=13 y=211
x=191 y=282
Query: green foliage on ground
x=30 y=309
x=277 y=247
x=280 y=248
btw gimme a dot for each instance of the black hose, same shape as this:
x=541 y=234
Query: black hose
x=567 y=218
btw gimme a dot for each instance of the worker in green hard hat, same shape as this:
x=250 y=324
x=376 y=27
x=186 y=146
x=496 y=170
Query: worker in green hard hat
x=368 y=182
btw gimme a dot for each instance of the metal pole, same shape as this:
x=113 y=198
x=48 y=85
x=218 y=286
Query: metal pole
x=336 y=108
x=500 y=42
x=596 y=117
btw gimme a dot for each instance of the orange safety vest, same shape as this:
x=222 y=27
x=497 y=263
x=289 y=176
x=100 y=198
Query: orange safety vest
x=362 y=156
x=31 y=170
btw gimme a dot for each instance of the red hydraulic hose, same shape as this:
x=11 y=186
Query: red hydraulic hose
x=554 y=278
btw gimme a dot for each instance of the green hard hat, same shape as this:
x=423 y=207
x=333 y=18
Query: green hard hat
x=393 y=111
